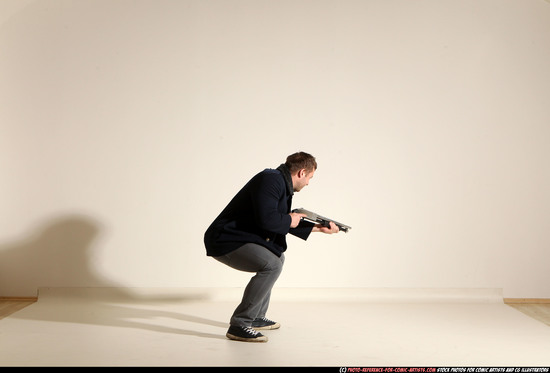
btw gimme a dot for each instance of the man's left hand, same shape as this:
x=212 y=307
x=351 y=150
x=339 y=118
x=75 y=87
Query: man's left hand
x=321 y=228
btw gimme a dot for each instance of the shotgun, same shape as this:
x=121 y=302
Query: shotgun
x=316 y=218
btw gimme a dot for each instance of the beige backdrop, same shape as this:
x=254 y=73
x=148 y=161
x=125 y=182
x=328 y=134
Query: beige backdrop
x=126 y=126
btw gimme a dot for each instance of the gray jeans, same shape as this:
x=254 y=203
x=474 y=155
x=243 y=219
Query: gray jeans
x=268 y=266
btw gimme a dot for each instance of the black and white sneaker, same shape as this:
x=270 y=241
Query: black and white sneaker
x=244 y=334
x=264 y=323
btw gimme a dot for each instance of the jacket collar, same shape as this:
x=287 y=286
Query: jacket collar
x=288 y=179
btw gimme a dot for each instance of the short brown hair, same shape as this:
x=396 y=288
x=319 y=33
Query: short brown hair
x=301 y=160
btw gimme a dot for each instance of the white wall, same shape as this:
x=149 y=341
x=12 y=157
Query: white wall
x=126 y=126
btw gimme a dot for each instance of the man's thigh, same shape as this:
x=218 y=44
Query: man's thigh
x=252 y=257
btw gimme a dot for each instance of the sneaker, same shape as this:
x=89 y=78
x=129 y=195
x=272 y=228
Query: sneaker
x=244 y=334
x=263 y=323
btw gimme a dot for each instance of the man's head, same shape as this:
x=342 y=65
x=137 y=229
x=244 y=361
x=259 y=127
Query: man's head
x=302 y=167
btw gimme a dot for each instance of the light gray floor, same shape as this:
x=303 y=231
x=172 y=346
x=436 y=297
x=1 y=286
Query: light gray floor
x=79 y=327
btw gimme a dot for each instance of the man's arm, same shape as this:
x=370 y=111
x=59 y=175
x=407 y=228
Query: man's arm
x=296 y=219
x=265 y=199
x=328 y=230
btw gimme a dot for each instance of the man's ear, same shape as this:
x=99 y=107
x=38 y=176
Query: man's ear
x=302 y=173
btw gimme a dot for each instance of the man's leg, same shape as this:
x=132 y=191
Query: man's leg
x=261 y=322
x=268 y=266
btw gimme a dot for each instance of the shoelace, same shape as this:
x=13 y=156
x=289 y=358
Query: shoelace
x=250 y=331
x=265 y=319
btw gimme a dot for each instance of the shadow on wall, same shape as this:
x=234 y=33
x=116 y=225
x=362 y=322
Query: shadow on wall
x=58 y=254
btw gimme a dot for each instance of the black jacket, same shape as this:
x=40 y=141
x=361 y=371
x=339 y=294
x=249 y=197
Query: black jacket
x=259 y=213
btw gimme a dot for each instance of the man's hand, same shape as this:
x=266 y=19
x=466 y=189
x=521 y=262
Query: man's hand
x=296 y=218
x=321 y=228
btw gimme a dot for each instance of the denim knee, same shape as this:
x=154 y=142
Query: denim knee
x=275 y=265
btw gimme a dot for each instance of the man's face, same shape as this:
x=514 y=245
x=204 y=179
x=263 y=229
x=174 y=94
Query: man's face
x=301 y=179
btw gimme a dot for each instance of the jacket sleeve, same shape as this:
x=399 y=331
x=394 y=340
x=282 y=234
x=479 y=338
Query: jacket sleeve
x=266 y=197
x=303 y=230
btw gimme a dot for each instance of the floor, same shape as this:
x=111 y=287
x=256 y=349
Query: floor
x=91 y=327
x=9 y=306
x=540 y=312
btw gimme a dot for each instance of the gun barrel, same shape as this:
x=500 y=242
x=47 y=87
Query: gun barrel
x=311 y=216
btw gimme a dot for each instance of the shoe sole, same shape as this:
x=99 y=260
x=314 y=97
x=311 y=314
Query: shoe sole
x=242 y=339
x=268 y=327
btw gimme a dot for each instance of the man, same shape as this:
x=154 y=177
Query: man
x=249 y=235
